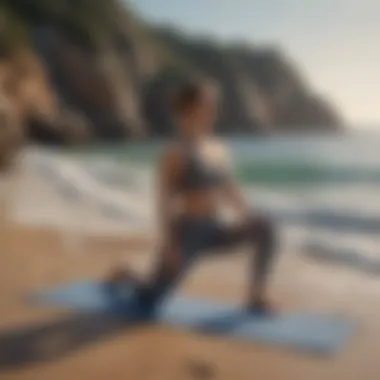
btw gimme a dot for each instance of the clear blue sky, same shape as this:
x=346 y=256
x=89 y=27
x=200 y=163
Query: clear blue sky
x=336 y=43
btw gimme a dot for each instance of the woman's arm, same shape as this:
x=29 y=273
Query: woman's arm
x=232 y=192
x=236 y=198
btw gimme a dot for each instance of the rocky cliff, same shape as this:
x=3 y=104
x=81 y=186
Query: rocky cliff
x=89 y=69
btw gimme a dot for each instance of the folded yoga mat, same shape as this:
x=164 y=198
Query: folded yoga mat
x=321 y=334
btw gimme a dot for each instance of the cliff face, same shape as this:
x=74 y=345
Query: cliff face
x=89 y=69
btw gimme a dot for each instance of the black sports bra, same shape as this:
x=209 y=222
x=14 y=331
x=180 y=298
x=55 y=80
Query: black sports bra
x=197 y=175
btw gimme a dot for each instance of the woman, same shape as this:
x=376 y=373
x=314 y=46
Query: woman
x=194 y=177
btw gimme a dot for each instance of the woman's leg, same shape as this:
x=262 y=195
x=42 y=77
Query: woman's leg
x=161 y=281
x=260 y=234
x=190 y=240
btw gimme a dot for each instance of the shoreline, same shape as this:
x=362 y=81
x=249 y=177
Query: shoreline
x=46 y=190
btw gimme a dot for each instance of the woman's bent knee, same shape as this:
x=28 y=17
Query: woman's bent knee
x=263 y=227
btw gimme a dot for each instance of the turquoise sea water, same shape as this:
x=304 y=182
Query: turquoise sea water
x=280 y=161
x=326 y=189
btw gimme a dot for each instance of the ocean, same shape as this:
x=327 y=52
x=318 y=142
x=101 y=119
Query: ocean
x=324 y=191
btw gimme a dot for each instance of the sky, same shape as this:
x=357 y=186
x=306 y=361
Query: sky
x=335 y=43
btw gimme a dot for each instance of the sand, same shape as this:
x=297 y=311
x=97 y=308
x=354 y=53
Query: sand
x=34 y=258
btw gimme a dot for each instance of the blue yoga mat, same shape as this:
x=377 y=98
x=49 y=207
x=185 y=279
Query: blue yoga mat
x=321 y=334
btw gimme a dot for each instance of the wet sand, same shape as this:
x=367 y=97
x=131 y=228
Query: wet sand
x=33 y=258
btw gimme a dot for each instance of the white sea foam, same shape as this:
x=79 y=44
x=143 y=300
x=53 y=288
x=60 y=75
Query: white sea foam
x=53 y=189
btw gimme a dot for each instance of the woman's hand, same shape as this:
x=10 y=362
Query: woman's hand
x=235 y=198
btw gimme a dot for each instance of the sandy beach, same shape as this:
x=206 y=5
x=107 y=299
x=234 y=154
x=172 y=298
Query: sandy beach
x=34 y=257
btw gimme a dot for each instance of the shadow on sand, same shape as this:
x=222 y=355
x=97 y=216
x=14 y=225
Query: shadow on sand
x=52 y=340
x=55 y=339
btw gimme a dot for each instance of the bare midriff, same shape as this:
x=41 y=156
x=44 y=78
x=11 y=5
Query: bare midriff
x=199 y=203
